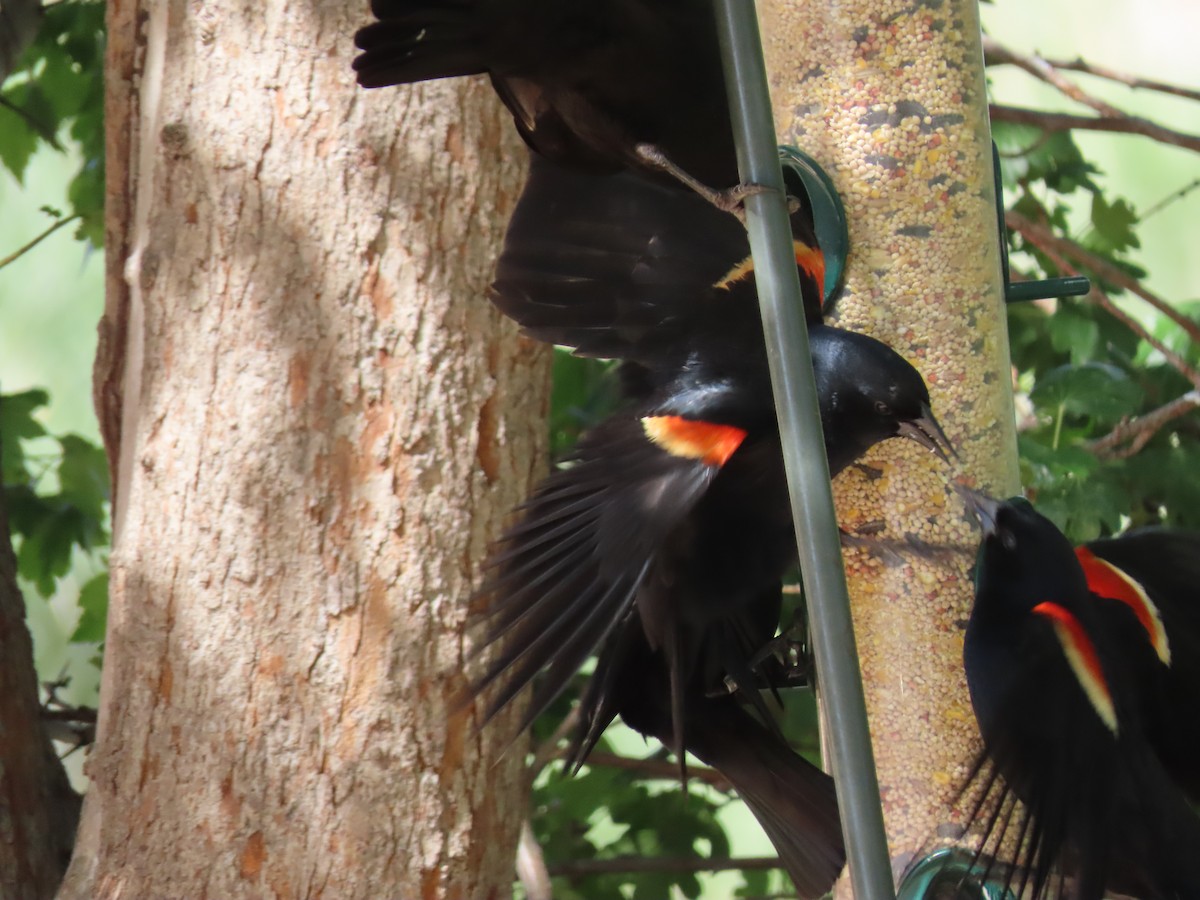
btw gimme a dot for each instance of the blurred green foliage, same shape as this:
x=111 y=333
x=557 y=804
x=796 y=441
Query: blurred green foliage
x=1083 y=371
x=57 y=91
x=56 y=496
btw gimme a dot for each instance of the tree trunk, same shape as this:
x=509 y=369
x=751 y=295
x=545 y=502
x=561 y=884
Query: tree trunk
x=38 y=809
x=311 y=412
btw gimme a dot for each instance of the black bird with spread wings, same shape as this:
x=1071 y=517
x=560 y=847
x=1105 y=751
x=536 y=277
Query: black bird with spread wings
x=1068 y=683
x=676 y=506
x=663 y=538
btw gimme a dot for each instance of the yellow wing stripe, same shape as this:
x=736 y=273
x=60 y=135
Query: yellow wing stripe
x=809 y=259
x=1084 y=660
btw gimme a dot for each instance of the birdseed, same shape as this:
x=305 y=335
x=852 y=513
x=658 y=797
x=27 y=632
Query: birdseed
x=889 y=97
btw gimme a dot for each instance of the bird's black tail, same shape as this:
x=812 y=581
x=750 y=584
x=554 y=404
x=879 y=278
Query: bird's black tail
x=792 y=799
x=418 y=40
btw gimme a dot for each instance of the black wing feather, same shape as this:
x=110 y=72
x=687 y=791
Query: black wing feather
x=626 y=267
x=562 y=577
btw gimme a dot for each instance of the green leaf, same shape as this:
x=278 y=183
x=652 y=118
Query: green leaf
x=83 y=476
x=584 y=392
x=1074 y=333
x=17 y=140
x=1113 y=224
x=1094 y=389
x=93 y=605
x=18 y=424
x=45 y=553
x=1028 y=154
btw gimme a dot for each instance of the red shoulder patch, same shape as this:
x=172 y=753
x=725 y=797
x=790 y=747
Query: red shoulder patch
x=809 y=259
x=1107 y=580
x=694 y=439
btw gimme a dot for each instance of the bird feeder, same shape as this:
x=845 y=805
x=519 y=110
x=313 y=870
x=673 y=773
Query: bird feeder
x=890 y=99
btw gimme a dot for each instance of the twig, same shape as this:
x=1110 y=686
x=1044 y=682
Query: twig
x=1133 y=81
x=1047 y=241
x=995 y=53
x=654 y=768
x=1119 y=124
x=531 y=866
x=673 y=864
x=13 y=257
x=1140 y=430
x=44 y=131
x=1172 y=197
x=1041 y=238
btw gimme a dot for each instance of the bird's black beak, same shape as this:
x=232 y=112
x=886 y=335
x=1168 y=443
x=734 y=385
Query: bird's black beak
x=928 y=433
x=981 y=507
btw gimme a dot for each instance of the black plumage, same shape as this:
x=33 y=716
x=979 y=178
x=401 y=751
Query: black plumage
x=678 y=504
x=602 y=85
x=792 y=799
x=1156 y=573
x=663 y=538
x=1056 y=674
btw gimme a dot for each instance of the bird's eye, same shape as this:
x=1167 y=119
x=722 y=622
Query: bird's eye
x=1008 y=539
x=882 y=408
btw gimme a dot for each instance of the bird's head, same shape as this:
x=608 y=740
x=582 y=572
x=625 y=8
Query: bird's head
x=870 y=393
x=1022 y=552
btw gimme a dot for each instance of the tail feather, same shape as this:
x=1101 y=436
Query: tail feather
x=418 y=40
x=792 y=799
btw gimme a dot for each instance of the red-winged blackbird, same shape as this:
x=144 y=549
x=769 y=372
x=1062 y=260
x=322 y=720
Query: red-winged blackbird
x=1156 y=572
x=1057 y=680
x=603 y=85
x=679 y=502
x=665 y=535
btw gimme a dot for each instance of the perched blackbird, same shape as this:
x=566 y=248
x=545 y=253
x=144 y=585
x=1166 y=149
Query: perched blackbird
x=678 y=505
x=603 y=85
x=1057 y=680
x=663 y=538
x=1156 y=572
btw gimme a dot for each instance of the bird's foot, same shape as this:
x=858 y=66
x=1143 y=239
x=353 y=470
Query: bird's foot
x=731 y=200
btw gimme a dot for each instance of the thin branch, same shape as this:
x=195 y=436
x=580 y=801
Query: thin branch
x=13 y=257
x=548 y=751
x=1138 y=432
x=1047 y=241
x=531 y=866
x=1133 y=81
x=654 y=768
x=676 y=865
x=1172 y=197
x=1119 y=124
x=995 y=53
x=1098 y=296
x=44 y=131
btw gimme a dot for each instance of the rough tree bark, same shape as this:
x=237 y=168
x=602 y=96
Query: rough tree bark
x=311 y=412
x=38 y=809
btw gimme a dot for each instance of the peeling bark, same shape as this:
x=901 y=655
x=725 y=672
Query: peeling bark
x=316 y=423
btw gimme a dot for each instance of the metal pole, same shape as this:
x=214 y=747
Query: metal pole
x=799 y=417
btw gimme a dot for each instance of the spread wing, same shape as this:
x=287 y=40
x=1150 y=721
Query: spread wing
x=561 y=578
x=626 y=267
